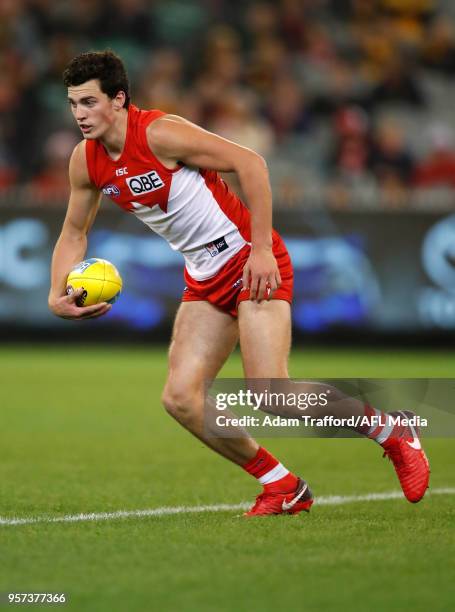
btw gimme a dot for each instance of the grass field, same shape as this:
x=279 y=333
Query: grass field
x=83 y=431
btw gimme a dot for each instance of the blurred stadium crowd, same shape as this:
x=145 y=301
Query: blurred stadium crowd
x=350 y=101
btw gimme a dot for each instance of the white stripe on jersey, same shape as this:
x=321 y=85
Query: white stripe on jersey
x=193 y=219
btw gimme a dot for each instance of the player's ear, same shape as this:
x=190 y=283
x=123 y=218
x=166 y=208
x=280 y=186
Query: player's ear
x=119 y=100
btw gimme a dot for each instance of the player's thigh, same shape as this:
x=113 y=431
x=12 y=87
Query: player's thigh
x=203 y=338
x=265 y=338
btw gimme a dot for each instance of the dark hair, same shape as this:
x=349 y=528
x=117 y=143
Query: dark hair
x=106 y=66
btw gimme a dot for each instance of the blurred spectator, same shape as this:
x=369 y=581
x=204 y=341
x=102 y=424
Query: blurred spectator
x=373 y=42
x=51 y=184
x=181 y=22
x=340 y=85
x=81 y=19
x=268 y=61
x=261 y=22
x=19 y=35
x=236 y=118
x=60 y=51
x=286 y=109
x=399 y=84
x=438 y=168
x=352 y=145
x=392 y=164
x=439 y=48
x=293 y=24
x=126 y=19
x=390 y=159
x=162 y=82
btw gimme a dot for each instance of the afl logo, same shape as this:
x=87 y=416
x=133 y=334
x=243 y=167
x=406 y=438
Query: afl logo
x=111 y=190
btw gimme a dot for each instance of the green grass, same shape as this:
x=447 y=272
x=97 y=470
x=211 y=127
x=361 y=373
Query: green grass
x=83 y=431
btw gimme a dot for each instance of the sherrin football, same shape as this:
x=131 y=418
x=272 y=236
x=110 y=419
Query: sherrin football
x=100 y=280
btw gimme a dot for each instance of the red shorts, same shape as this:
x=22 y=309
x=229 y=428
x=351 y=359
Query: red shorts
x=225 y=290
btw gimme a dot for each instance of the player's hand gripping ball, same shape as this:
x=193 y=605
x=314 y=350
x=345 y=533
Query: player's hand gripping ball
x=99 y=279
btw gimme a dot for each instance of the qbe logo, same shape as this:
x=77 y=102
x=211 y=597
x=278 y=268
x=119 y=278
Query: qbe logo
x=144 y=183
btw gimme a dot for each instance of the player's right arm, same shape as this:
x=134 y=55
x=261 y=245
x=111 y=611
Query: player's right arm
x=71 y=246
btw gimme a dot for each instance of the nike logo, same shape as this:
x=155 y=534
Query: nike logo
x=288 y=505
x=415 y=444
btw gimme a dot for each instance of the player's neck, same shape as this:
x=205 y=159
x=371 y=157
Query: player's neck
x=114 y=138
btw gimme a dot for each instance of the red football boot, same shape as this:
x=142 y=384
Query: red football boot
x=283 y=503
x=405 y=451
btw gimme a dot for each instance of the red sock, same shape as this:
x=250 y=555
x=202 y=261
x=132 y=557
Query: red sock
x=270 y=472
x=379 y=427
x=365 y=427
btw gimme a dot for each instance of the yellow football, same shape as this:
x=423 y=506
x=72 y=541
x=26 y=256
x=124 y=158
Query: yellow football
x=99 y=278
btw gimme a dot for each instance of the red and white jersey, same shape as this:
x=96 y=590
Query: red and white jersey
x=193 y=209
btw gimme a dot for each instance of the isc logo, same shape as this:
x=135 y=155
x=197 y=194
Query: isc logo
x=144 y=183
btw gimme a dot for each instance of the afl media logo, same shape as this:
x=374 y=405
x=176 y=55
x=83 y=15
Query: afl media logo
x=144 y=183
x=111 y=190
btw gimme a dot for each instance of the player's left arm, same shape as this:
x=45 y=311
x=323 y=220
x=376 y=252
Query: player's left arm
x=172 y=139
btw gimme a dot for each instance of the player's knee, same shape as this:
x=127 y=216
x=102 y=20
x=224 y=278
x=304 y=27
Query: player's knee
x=180 y=401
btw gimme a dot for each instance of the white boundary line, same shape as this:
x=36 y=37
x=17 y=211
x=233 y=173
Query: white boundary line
x=332 y=500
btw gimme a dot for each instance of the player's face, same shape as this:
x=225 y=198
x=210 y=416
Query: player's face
x=93 y=110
